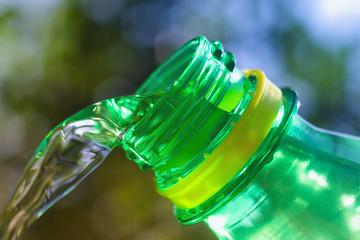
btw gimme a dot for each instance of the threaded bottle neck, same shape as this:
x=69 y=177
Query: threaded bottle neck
x=209 y=133
x=204 y=94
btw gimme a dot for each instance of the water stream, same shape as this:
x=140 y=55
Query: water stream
x=71 y=151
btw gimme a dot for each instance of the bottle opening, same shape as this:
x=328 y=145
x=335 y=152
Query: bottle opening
x=207 y=103
x=204 y=95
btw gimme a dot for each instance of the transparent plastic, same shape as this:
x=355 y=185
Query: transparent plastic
x=308 y=189
x=227 y=147
x=301 y=182
x=204 y=95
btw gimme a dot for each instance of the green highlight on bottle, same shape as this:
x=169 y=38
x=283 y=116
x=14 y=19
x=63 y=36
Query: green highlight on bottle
x=207 y=104
x=194 y=114
x=228 y=148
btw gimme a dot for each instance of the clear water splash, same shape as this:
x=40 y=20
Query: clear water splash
x=67 y=155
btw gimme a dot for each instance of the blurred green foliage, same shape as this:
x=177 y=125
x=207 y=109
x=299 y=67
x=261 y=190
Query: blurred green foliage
x=58 y=58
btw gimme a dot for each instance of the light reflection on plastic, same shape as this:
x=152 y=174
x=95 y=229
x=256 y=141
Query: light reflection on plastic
x=318 y=178
x=355 y=223
x=347 y=200
x=311 y=177
x=218 y=223
x=126 y=111
x=353 y=220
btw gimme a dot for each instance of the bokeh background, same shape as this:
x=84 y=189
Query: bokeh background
x=59 y=56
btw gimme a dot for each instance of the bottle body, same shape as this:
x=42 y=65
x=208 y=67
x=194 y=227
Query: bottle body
x=308 y=190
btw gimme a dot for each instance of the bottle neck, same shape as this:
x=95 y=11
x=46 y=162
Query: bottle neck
x=258 y=160
x=203 y=95
x=224 y=162
x=207 y=131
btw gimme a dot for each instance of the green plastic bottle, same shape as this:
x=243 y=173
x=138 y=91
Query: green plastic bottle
x=228 y=148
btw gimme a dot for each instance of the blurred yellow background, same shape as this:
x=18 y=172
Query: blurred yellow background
x=57 y=57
